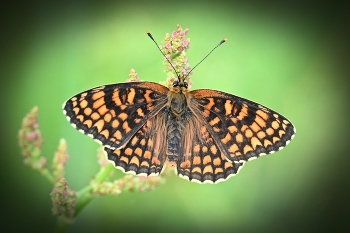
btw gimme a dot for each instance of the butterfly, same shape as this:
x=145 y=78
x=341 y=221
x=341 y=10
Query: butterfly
x=205 y=135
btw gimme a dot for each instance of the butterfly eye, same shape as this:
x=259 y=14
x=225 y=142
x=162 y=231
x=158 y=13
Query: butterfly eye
x=185 y=85
x=176 y=83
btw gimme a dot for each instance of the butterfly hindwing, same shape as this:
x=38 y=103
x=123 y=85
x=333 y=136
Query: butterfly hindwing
x=112 y=114
x=243 y=129
x=201 y=160
x=144 y=154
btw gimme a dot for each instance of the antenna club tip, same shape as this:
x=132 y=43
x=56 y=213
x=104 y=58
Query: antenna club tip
x=222 y=41
x=149 y=34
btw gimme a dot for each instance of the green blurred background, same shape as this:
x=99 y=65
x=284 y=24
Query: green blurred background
x=291 y=57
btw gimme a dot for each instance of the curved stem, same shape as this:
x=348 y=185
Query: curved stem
x=84 y=196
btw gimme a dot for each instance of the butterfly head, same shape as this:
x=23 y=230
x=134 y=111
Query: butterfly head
x=180 y=82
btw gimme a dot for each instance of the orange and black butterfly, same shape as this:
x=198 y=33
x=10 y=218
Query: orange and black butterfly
x=206 y=135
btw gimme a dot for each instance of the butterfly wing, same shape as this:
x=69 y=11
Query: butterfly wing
x=201 y=159
x=242 y=129
x=113 y=114
x=144 y=154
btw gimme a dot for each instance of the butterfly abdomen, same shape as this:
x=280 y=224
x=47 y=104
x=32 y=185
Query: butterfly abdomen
x=175 y=126
x=175 y=129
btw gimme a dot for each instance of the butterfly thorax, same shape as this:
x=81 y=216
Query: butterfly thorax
x=178 y=105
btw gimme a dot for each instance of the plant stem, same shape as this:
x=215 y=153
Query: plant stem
x=84 y=195
x=45 y=172
x=62 y=225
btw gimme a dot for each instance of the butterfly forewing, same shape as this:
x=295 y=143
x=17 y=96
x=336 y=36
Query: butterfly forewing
x=244 y=130
x=112 y=114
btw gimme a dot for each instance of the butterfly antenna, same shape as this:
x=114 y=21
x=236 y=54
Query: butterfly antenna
x=221 y=42
x=150 y=36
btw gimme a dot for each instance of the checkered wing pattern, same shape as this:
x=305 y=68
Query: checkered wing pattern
x=202 y=160
x=144 y=154
x=113 y=114
x=242 y=130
